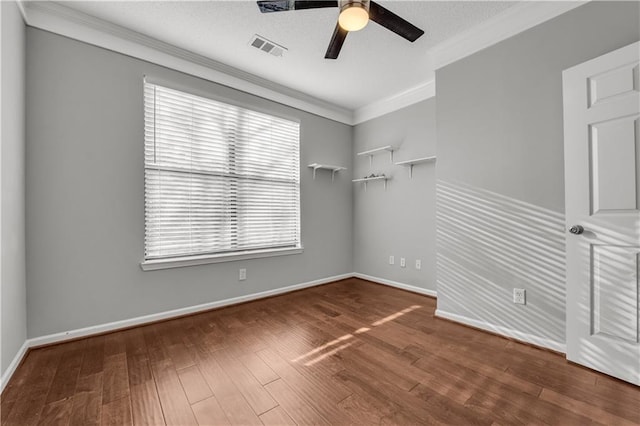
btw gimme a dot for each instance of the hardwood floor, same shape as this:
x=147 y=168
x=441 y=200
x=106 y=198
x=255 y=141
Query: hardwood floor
x=351 y=352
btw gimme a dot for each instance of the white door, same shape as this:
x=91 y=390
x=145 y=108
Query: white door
x=602 y=193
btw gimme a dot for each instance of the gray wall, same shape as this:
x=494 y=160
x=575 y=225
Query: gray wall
x=12 y=280
x=85 y=199
x=401 y=220
x=500 y=168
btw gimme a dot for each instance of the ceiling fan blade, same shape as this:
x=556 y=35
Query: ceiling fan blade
x=393 y=22
x=337 y=40
x=284 y=5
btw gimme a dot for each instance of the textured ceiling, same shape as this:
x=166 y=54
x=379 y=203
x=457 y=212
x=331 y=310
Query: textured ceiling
x=374 y=63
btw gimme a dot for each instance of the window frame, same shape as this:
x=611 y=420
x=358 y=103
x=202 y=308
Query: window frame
x=150 y=264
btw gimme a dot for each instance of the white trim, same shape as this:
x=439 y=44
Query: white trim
x=59 y=19
x=393 y=103
x=14 y=365
x=17 y=359
x=505 y=331
x=62 y=20
x=20 y=4
x=116 y=325
x=179 y=262
x=411 y=288
x=512 y=21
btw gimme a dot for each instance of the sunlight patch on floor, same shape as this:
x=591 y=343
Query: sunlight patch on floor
x=348 y=336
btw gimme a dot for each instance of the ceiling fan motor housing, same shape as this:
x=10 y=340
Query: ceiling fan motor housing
x=344 y=4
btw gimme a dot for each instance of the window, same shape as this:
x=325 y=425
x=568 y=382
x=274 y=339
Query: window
x=220 y=180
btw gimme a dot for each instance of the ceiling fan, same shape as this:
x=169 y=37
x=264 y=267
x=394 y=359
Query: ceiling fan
x=354 y=16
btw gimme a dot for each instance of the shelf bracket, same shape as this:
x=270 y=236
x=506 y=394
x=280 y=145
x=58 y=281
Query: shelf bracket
x=411 y=163
x=332 y=169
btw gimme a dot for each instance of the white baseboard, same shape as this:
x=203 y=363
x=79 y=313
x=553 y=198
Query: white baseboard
x=396 y=284
x=116 y=325
x=112 y=326
x=505 y=331
x=14 y=365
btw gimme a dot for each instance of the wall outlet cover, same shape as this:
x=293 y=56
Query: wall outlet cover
x=392 y=260
x=242 y=274
x=519 y=296
x=418 y=264
x=403 y=262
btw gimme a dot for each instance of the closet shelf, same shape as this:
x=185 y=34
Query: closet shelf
x=370 y=153
x=333 y=169
x=369 y=179
x=413 y=162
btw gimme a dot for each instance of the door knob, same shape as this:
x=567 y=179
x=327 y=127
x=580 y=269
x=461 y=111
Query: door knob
x=576 y=229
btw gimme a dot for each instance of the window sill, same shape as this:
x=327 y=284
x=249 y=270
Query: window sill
x=179 y=262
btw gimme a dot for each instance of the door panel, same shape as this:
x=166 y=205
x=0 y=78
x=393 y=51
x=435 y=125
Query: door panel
x=615 y=292
x=614 y=144
x=612 y=83
x=602 y=193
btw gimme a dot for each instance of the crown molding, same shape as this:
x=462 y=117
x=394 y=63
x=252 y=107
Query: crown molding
x=512 y=21
x=393 y=103
x=68 y=22
x=23 y=13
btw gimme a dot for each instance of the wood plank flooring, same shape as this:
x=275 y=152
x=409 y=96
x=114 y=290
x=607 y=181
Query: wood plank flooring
x=350 y=352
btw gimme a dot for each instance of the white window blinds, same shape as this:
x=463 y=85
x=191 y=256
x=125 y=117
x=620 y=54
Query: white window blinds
x=218 y=178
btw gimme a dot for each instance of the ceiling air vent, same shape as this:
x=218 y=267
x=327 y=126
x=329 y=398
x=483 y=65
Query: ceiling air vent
x=267 y=46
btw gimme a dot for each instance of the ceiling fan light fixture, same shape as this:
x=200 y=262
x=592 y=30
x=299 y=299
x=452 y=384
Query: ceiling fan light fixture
x=354 y=15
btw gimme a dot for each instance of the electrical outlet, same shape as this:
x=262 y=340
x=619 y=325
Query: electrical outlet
x=418 y=264
x=403 y=262
x=392 y=260
x=242 y=274
x=519 y=296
